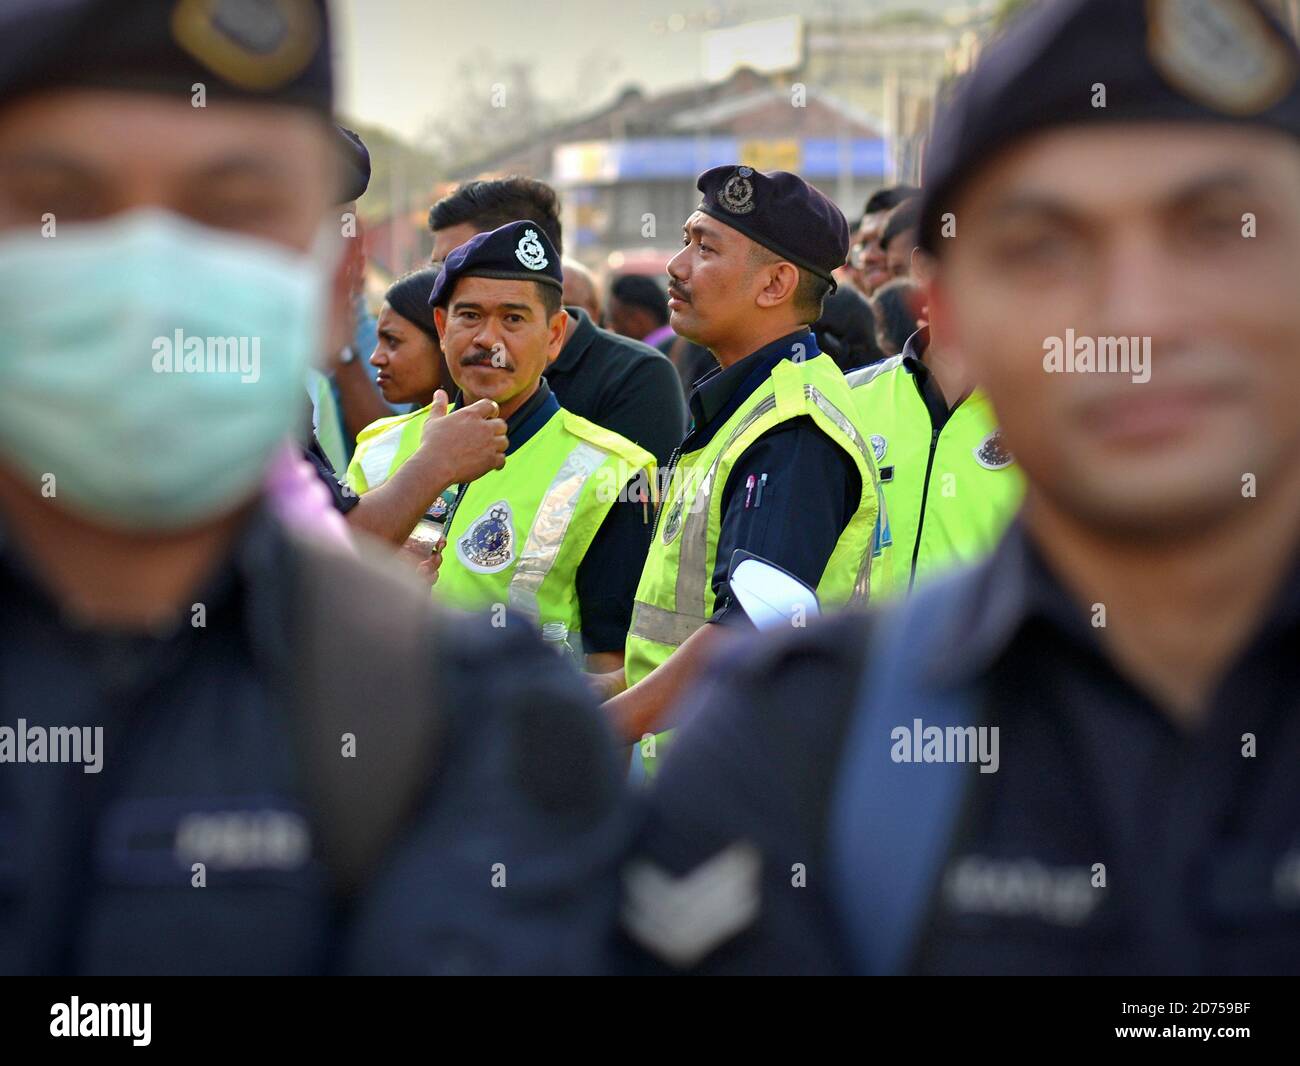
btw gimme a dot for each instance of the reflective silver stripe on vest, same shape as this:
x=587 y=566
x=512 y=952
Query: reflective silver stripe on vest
x=376 y=458
x=866 y=374
x=551 y=522
x=662 y=626
x=862 y=585
x=692 y=575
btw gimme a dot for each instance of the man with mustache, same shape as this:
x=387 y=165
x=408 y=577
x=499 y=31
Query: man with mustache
x=560 y=531
x=773 y=465
x=1079 y=756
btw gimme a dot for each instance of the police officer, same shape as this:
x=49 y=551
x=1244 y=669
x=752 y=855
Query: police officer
x=560 y=531
x=773 y=464
x=1077 y=757
x=950 y=485
x=613 y=381
x=223 y=749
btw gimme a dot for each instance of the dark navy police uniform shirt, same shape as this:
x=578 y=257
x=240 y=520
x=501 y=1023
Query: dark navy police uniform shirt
x=92 y=877
x=812 y=489
x=1200 y=842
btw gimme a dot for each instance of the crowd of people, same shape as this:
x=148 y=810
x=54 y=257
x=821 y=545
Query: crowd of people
x=428 y=641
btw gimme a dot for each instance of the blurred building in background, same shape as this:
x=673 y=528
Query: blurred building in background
x=844 y=100
x=843 y=96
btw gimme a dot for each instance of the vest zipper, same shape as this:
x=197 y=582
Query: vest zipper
x=925 y=500
x=664 y=482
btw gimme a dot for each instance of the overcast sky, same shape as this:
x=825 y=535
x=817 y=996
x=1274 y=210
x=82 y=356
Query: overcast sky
x=399 y=57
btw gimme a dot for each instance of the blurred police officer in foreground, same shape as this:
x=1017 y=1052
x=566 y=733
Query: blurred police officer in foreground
x=1132 y=639
x=222 y=750
x=773 y=464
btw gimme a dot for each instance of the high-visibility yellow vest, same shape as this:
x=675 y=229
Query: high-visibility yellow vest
x=675 y=594
x=330 y=432
x=949 y=494
x=519 y=534
x=383 y=446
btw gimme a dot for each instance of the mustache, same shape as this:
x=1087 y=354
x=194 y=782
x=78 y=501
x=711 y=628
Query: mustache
x=495 y=357
x=678 y=293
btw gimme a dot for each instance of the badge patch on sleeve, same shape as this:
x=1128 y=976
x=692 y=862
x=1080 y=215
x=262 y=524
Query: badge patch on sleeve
x=488 y=546
x=1221 y=53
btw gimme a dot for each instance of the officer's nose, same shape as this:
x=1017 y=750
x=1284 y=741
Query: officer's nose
x=1141 y=291
x=676 y=265
x=486 y=336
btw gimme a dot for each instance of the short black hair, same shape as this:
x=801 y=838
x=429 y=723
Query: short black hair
x=810 y=290
x=895 y=307
x=846 y=330
x=907 y=217
x=890 y=197
x=488 y=205
x=810 y=294
x=552 y=298
x=637 y=290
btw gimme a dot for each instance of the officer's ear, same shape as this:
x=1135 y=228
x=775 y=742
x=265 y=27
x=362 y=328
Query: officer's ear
x=555 y=334
x=781 y=279
x=440 y=322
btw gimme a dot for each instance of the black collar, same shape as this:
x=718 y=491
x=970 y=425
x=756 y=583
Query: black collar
x=720 y=392
x=931 y=395
x=523 y=425
x=994 y=602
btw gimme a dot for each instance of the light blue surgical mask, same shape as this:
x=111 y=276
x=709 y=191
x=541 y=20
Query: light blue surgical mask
x=150 y=366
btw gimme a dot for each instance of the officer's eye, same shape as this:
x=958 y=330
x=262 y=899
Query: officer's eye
x=1034 y=249
x=1215 y=227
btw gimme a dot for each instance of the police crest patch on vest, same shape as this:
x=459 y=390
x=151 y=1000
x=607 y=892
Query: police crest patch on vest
x=992 y=453
x=530 y=251
x=673 y=520
x=879 y=445
x=1219 y=52
x=488 y=545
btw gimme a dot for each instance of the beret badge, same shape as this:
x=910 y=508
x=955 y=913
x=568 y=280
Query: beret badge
x=255 y=44
x=1219 y=52
x=737 y=194
x=530 y=251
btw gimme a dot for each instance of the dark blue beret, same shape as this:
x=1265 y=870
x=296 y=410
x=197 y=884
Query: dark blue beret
x=517 y=251
x=1160 y=60
x=276 y=51
x=356 y=165
x=780 y=211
